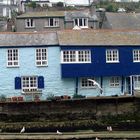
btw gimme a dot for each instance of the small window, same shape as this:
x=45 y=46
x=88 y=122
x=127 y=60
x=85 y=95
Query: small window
x=29 y=83
x=85 y=83
x=136 y=55
x=112 y=56
x=52 y=22
x=114 y=81
x=81 y=22
x=41 y=57
x=29 y=23
x=137 y=82
x=76 y=56
x=69 y=56
x=12 y=58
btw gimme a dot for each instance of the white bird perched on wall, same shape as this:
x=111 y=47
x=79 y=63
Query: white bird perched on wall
x=22 y=130
x=97 y=138
x=95 y=84
x=58 y=132
x=109 y=128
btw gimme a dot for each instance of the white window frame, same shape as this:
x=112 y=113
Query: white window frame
x=114 y=81
x=84 y=22
x=86 y=84
x=112 y=56
x=136 y=55
x=12 y=58
x=31 y=23
x=41 y=60
x=56 y=22
x=136 y=79
x=74 y=56
x=27 y=85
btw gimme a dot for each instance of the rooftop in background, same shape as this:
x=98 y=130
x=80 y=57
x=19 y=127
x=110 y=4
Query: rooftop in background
x=122 y=21
x=99 y=37
x=42 y=14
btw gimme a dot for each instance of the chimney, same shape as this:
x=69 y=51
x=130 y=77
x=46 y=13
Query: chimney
x=92 y=9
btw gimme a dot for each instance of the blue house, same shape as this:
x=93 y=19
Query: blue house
x=111 y=58
x=36 y=65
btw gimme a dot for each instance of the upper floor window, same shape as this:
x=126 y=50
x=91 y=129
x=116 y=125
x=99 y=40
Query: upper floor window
x=29 y=83
x=81 y=22
x=52 y=22
x=136 y=55
x=41 y=57
x=29 y=23
x=85 y=83
x=76 y=56
x=12 y=58
x=114 y=81
x=112 y=56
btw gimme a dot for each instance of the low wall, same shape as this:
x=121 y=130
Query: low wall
x=100 y=111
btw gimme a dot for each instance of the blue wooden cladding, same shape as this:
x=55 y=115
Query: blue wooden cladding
x=98 y=65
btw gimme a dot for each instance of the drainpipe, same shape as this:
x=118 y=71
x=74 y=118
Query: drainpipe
x=101 y=84
x=122 y=85
x=131 y=87
x=76 y=87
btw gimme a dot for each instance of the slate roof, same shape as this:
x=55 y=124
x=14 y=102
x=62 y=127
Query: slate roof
x=99 y=37
x=122 y=21
x=70 y=15
x=42 y=14
x=28 y=39
x=71 y=37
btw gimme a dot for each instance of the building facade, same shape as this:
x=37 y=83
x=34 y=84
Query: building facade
x=36 y=65
x=57 y=20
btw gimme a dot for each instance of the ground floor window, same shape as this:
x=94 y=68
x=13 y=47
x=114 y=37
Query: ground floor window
x=85 y=83
x=29 y=83
x=137 y=82
x=114 y=81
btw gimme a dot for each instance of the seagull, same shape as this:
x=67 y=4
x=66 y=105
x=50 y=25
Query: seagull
x=97 y=138
x=109 y=128
x=22 y=130
x=59 y=133
x=95 y=84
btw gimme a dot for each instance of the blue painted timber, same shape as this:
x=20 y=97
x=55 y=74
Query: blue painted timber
x=98 y=66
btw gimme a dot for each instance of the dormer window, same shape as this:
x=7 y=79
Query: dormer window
x=81 y=22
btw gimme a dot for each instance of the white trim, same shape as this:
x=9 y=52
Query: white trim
x=78 y=22
x=47 y=22
x=41 y=65
x=26 y=20
x=13 y=61
x=76 y=56
x=114 y=83
x=138 y=52
x=136 y=79
x=117 y=56
x=87 y=87
x=29 y=88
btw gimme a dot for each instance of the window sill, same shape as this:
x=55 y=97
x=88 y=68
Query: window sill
x=113 y=62
x=75 y=62
x=136 y=61
x=41 y=65
x=12 y=66
x=29 y=27
x=51 y=26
